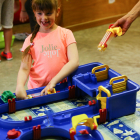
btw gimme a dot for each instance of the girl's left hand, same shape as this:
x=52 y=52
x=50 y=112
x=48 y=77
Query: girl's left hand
x=49 y=87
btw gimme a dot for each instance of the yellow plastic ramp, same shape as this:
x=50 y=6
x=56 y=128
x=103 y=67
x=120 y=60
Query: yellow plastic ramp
x=101 y=75
x=118 y=86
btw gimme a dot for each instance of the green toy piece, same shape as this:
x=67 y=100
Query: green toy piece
x=7 y=95
x=2 y=44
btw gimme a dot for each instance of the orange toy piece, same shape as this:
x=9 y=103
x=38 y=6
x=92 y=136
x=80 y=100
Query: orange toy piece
x=110 y=33
x=51 y=92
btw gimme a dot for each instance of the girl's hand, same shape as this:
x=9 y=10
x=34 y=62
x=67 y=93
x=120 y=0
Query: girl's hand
x=20 y=92
x=49 y=87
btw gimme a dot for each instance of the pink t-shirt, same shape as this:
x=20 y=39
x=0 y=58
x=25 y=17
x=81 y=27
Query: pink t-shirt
x=49 y=54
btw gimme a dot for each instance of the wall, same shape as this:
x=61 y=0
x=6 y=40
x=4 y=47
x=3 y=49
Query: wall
x=81 y=14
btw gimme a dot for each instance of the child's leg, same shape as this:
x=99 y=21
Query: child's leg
x=8 y=39
x=7 y=14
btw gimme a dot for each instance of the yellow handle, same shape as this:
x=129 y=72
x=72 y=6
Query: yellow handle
x=100 y=67
x=101 y=88
x=103 y=99
x=116 y=30
x=118 y=78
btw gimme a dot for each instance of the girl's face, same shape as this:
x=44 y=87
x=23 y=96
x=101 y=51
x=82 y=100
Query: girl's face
x=46 y=20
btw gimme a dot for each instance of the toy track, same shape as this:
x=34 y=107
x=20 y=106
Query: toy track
x=75 y=123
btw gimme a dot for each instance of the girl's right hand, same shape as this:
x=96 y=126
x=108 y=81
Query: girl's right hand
x=20 y=92
x=49 y=87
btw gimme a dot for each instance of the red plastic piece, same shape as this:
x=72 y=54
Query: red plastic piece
x=89 y=103
x=72 y=133
x=63 y=81
x=93 y=102
x=12 y=105
x=30 y=118
x=27 y=119
x=71 y=92
x=110 y=25
x=105 y=45
x=84 y=132
x=13 y=134
x=103 y=113
x=37 y=132
x=94 y=126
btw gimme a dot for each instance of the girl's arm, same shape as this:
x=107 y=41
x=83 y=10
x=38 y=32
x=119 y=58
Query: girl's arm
x=73 y=63
x=23 y=76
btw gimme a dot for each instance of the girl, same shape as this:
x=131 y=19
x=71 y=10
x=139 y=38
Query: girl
x=49 y=54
